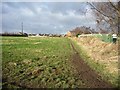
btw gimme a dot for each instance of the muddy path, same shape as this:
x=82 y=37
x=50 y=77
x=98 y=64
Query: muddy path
x=86 y=74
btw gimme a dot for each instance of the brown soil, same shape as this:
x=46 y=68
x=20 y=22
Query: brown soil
x=86 y=74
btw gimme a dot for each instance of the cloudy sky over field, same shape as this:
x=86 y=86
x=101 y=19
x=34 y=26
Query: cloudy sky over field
x=45 y=17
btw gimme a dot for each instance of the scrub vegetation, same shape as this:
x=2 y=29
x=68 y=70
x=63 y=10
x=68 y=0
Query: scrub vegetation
x=100 y=55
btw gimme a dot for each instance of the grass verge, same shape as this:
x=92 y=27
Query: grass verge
x=98 y=67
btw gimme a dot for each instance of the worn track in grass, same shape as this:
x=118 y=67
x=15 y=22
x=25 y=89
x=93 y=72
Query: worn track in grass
x=86 y=74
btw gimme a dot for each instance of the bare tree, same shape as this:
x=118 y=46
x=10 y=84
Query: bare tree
x=107 y=14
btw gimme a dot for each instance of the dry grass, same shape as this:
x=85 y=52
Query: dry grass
x=101 y=52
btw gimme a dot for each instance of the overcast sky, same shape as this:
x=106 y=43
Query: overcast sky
x=45 y=17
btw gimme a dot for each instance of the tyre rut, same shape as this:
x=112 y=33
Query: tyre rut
x=86 y=74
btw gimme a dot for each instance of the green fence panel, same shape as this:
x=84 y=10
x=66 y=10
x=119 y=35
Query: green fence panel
x=104 y=37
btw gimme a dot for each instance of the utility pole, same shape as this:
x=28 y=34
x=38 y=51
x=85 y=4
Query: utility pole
x=119 y=20
x=22 y=27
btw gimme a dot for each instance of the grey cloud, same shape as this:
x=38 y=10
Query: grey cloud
x=44 y=17
x=66 y=6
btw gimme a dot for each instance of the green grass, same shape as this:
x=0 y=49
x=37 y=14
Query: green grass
x=38 y=62
x=98 y=67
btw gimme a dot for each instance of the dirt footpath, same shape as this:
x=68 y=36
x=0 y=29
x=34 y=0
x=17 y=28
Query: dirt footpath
x=86 y=74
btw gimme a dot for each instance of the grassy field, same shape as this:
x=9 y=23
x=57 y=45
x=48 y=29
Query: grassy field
x=47 y=62
x=33 y=62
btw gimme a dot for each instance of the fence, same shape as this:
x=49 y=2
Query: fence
x=103 y=37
